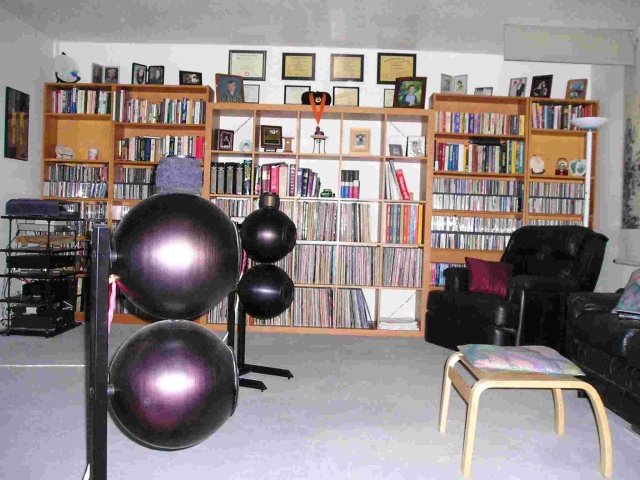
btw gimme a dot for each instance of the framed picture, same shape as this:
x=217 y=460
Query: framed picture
x=416 y=146
x=293 y=93
x=248 y=64
x=388 y=97
x=483 y=91
x=395 y=150
x=298 y=66
x=223 y=139
x=111 y=74
x=445 y=83
x=155 y=75
x=541 y=86
x=96 y=73
x=190 y=78
x=138 y=74
x=251 y=93
x=517 y=87
x=346 y=96
x=230 y=88
x=394 y=65
x=577 y=89
x=360 y=140
x=270 y=137
x=460 y=84
x=16 y=125
x=347 y=67
x=410 y=92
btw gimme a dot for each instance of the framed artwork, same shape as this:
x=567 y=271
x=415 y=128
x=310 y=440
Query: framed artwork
x=388 y=97
x=395 y=150
x=293 y=93
x=16 y=125
x=483 y=91
x=445 y=83
x=270 y=137
x=410 y=92
x=251 y=93
x=248 y=64
x=394 y=65
x=346 y=96
x=155 y=75
x=96 y=73
x=360 y=140
x=230 y=88
x=298 y=66
x=460 y=84
x=577 y=89
x=223 y=139
x=416 y=146
x=138 y=74
x=190 y=78
x=111 y=74
x=517 y=87
x=541 y=86
x=347 y=67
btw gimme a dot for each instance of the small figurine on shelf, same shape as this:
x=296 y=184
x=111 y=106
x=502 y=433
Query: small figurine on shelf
x=562 y=166
x=537 y=165
x=319 y=140
x=288 y=142
x=327 y=193
x=319 y=133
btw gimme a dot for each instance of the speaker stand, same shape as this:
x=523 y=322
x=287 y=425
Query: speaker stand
x=243 y=367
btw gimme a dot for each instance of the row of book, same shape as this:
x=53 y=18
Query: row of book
x=437 y=272
x=75 y=189
x=350 y=184
x=77 y=100
x=134 y=175
x=404 y=223
x=357 y=266
x=352 y=310
x=77 y=173
x=395 y=186
x=481 y=155
x=313 y=307
x=556 y=190
x=314 y=265
x=481 y=123
x=547 y=222
x=565 y=206
x=469 y=241
x=510 y=188
x=132 y=191
x=231 y=178
x=558 y=117
x=478 y=203
x=286 y=180
x=153 y=148
x=474 y=224
x=355 y=222
x=316 y=221
x=186 y=111
x=92 y=213
x=402 y=267
x=234 y=207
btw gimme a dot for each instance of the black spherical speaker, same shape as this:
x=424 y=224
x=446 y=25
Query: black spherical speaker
x=174 y=383
x=265 y=291
x=178 y=255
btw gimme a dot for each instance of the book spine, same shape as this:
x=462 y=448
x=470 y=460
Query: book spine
x=403 y=185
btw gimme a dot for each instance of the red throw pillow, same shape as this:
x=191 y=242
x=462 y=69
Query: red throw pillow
x=488 y=277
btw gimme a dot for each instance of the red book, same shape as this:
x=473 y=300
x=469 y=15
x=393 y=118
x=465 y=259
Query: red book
x=403 y=185
x=275 y=179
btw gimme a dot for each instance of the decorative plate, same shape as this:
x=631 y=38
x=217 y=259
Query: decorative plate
x=246 y=146
x=578 y=168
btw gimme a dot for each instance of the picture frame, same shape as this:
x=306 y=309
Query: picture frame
x=229 y=88
x=251 y=93
x=189 y=78
x=517 y=87
x=394 y=65
x=293 y=94
x=446 y=81
x=416 y=146
x=111 y=74
x=16 y=124
x=388 y=97
x=248 y=64
x=410 y=92
x=155 y=75
x=359 y=140
x=395 y=150
x=346 y=96
x=138 y=74
x=97 y=72
x=577 y=89
x=270 y=137
x=223 y=139
x=488 y=91
x=346 y=68
x=298 y=66
x=541 y=86
x=459 y=84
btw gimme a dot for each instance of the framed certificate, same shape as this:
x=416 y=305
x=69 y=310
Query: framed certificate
x=298 y=66
x=394 y=65
x=346 y=96
x=251 y=93
x=249 y=64
x=293 y=94
x=347 y=68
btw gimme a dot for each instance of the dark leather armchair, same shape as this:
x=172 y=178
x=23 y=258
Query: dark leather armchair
x=548 y=263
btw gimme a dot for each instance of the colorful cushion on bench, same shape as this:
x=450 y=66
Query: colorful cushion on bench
x=629 y=303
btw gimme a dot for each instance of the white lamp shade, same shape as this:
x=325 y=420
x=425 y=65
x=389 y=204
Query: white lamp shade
x=589 y=123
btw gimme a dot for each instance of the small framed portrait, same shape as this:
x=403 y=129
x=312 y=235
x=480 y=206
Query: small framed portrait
x=230 y=88
x=190 y=78
x=460 y=83
x=416 y=146
x=347 y=68
x=388 y=97
x=410 y=92
x=270 y=137
x=223 y=139
x=96 y=73
x=293 y=94
x=483 y=91
x=111 y=74
x=155 y=75
x=517 y=87
x=248 y=64
x=391 y=66
x=577 y=89
x=298 y=66
x=541 y=86
x=395 y=150
x=445 y=83
x=360 y=140
x=251 y=93
x=138 y=74
x=346 y=96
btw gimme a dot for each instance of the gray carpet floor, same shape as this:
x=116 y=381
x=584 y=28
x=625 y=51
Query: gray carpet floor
x=357 y=408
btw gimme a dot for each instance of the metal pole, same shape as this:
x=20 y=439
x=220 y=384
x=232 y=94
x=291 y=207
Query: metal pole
x=587 y=180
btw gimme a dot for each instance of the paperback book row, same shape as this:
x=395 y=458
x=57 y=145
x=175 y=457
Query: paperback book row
x=127 y=108
x=484 y=155
x=481 y=123
x=474 y=224
x=402 y=267
x=469 y=241
x=395 y=186
x=85 y=101
x=437 y=272
x=404 y=224
x=355 y=222
x=557 y=117
x=357 y=266
x=152 y=149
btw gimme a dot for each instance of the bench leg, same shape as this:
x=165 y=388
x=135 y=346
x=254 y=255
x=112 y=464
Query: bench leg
x=446 y=390
x=559 y=409
x=470 y=428
x=604 y=434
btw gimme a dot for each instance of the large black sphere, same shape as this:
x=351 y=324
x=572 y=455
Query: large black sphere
x=178 y=255
x=265 y=291
x=174 y=383
x=268 y=235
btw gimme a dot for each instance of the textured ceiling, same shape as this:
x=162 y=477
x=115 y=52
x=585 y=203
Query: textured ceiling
x=445 y=25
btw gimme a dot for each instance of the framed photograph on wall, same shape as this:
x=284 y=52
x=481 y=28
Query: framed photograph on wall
x=155 y=75
x=347 y=68
x=388 y=97
x=395 y=65
x=410 y=92
x=190 y=78
x=248 y=64
x=111 y=74
x=16 y=125
x=360 y=140
x=96 y=73
x=229 y=88
x=577 y=89
x=138 y=74
x=293 y=94
x=298 y=66
x=517 y=87
x=251 y=93
x=541 y=86
x=346 y=96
